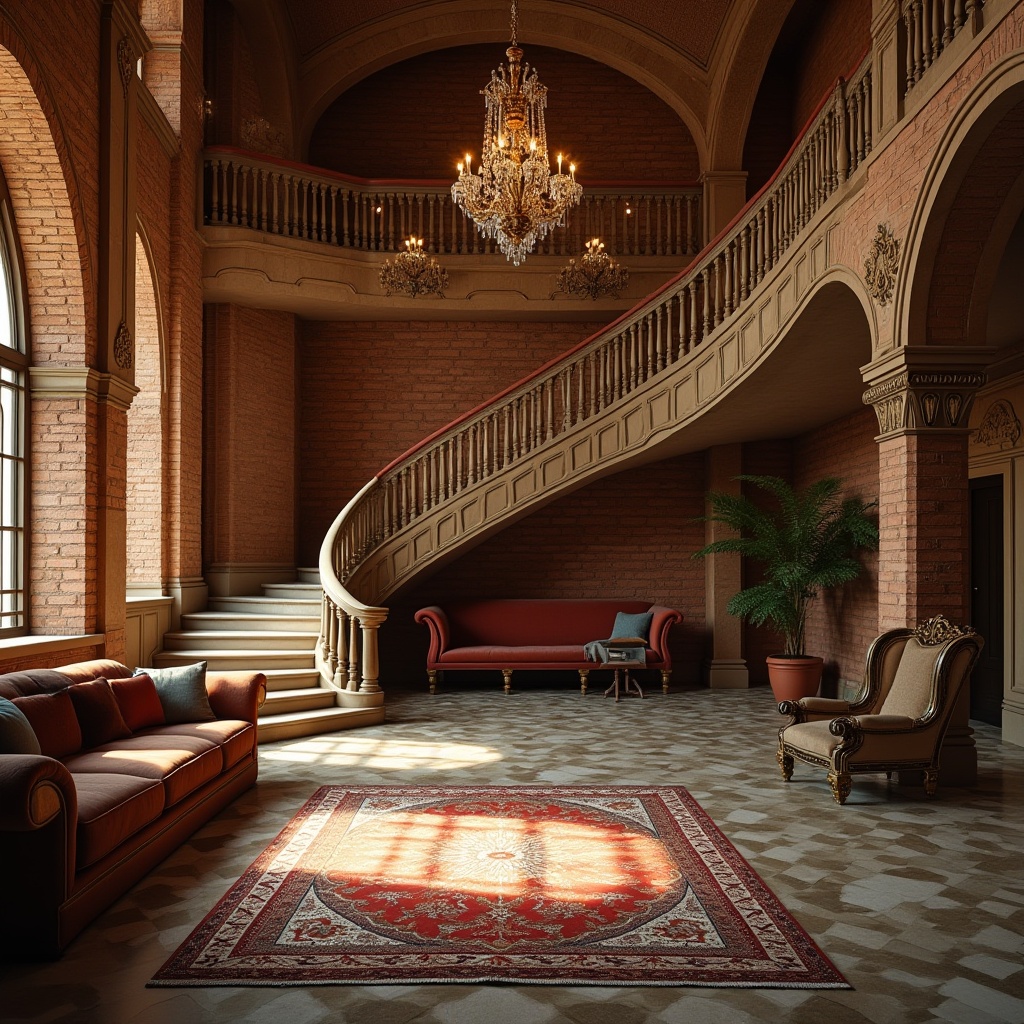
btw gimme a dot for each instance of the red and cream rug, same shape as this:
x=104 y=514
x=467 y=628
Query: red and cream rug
x=631 y=885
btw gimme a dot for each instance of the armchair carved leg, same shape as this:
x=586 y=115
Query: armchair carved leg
x=785 y=763
x=665 y=673
x=507 y=676
x=931 y=781
x=432 y=680
x=584 y=675
x=841 y=783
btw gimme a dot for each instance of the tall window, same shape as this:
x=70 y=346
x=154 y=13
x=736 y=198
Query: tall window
x=13 y=368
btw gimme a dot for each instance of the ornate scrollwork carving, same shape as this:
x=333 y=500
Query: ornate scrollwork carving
x=126 y=62
x=881 y=264
x=260 y=136
x=915 y=400
x=999 y=427
x=123 y=347
x=938 y=629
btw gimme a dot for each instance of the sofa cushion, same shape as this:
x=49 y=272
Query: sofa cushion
x=512 y=656
x=235 y=738
x=22 y=684
x=912 y=689
x=110 y=809
x=628 y=625
x=139 y=702
x=184 y=763
x=53 y=720
x=97 y=712
x=182 y=692
x=16 y=733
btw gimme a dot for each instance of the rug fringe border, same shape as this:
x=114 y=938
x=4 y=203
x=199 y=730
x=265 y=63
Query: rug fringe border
x=564 y=982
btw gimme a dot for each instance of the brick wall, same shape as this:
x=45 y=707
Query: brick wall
x=230 y=75
x=370 y=391
x=416 y=119
x=249 y=497
x=612 y=538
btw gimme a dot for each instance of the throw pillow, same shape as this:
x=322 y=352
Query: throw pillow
x=53 y=720
x=97 y=712
x=139 y=702
x=638 y=625
x=16 y=735
x=182 y=692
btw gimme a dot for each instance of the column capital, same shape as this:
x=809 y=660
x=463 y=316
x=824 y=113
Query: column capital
x=924 y=389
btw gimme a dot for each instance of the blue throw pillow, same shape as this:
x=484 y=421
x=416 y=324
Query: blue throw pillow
x=182 y=692
x=638 y=625
x=16 y=734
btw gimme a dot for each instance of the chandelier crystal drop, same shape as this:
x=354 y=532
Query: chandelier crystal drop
x=513 y=197
x=594 y=274
x=413 y=272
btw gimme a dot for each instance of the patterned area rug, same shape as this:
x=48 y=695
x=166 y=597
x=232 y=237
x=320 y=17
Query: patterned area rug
x=628 y=885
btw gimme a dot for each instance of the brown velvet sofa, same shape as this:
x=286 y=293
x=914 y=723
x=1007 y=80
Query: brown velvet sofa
x=78 y=831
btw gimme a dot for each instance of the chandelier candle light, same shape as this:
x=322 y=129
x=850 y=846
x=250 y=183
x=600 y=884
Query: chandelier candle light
x=594 y=274
x=513 y=197
x=414 y=272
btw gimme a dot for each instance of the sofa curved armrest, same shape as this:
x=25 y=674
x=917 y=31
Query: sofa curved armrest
x=437 y=623
x=884 y=723
x=236 y=694
x=662 y=622
x=814 y=709
x=34 y=789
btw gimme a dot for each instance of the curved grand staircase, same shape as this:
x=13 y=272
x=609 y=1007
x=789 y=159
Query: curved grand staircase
x=671 y=366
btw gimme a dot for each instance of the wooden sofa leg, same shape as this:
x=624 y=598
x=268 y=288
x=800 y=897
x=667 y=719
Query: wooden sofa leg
x=507 y=676
x=432 y=679
x=665 y=673
x=584 y=675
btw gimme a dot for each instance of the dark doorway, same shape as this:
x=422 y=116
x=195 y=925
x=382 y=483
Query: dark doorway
x=987 y=596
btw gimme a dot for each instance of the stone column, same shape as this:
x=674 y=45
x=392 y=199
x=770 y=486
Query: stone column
x=727 y=668
x=923 y=398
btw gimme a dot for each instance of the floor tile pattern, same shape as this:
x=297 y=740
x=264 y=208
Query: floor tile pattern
x=919 y=903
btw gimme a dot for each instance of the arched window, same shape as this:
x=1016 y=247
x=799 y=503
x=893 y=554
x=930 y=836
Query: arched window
x=13 y=409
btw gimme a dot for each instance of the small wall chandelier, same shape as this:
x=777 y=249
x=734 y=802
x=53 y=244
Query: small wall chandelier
x=594 y=274
x=413 y=272
x=514 y=198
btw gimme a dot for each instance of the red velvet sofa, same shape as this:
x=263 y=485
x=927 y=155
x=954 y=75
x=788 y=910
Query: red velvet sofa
x=549 y=635
x=78 y=831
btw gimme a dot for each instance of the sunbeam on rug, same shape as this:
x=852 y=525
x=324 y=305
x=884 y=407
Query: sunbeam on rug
x=627 y=885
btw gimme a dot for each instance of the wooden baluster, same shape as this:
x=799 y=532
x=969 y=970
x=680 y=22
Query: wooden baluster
x=745 y=260
x=353 y=653
x=339 y=654
x=331 y=637
x=549 y=431
x=959 y=16
x=590 y=363
x=537 y=411
x=516 y=440
x=324 y=640
x=727 y=297
x=918 y=41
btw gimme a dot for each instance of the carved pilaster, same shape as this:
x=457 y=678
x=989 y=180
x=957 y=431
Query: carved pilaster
x=924 y=400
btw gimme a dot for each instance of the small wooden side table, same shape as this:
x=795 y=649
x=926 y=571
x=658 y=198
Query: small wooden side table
x=623 y=679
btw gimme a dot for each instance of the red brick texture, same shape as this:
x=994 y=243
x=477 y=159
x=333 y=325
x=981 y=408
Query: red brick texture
x=370 y=391
x=250 y=437
x=432 y=114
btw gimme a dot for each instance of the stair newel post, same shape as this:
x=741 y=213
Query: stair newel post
x=353 y=653
x=371 y=669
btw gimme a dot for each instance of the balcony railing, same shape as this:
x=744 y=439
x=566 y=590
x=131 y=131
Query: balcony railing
x=296 y=201
x=930 y=26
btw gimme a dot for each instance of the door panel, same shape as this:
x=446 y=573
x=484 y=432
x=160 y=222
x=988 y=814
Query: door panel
x=987 y=596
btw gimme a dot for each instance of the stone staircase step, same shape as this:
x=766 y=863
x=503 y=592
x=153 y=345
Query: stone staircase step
x=250 y=621
x=307 y=723
x=291 y=678
x=311 y=575
x=269 y=605
x=234 y=640
x=294 y=591
x=252 y=660
x=280 y=702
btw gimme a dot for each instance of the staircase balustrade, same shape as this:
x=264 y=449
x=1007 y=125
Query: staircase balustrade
x=930 y=26
x=649 y=340
x=295 y=201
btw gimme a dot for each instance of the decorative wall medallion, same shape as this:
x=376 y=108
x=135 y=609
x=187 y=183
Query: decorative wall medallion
x=260 y=136
x=126 y=62
x=881 y=265
x=999 y=428
x=123 y=354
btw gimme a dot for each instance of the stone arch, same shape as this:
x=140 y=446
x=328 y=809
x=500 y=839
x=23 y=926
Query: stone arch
x=971 y=198
x=145 y=461
x=662 y=69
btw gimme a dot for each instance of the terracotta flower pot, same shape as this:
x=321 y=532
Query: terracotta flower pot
x=794 y=676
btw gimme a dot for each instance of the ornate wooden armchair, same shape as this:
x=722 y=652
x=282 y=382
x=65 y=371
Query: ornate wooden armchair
x=913 y=678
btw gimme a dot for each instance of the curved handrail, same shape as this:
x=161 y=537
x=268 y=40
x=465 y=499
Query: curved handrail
x=607 y=367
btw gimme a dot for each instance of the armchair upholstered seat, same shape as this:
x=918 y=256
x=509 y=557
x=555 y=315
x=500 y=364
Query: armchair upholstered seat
x=912 y=680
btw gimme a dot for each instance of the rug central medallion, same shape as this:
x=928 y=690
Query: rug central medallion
x=575 y=884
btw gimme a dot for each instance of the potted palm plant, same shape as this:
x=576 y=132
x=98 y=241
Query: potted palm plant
x=806 y=543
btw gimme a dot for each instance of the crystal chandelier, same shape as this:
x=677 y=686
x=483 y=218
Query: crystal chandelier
x=514 y=198
x=414 y=272
x=594 y=274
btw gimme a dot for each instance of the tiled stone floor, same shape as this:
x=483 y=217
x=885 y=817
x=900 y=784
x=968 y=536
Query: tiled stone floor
x=919 y=903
